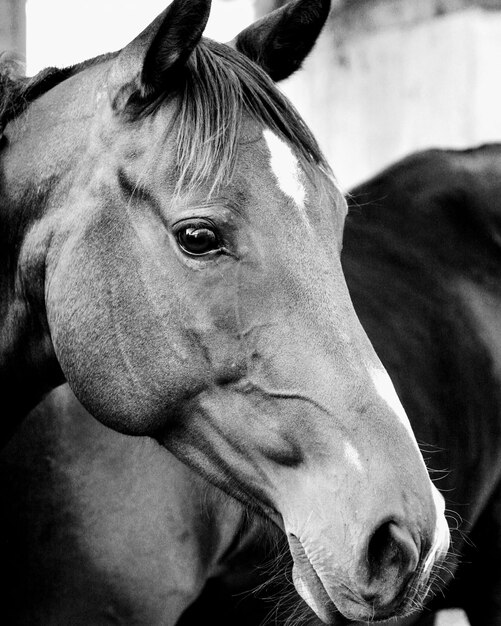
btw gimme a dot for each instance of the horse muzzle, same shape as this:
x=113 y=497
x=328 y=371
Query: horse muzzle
x=387 y=574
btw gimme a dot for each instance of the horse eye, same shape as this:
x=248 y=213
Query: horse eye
x=198 y=240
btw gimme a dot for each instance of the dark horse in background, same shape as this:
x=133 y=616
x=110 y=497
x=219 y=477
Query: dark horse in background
x=170 y=239
x=92 y=529
x=422 y=259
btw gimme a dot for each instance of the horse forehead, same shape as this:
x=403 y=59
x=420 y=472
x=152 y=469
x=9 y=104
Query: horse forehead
x=286 y=169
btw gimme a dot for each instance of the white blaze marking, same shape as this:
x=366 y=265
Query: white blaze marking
x=285 y=168
x=386 y=391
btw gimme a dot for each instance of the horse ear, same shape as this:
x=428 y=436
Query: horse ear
x=280 y=41
x=145 y=67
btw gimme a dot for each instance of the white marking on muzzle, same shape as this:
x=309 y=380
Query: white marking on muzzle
x=285 y=168
x=352 y=455
x=441 y=539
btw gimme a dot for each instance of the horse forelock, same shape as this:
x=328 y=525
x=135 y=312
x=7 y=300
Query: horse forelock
x=217 y=88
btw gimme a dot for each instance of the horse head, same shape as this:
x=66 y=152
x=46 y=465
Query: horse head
x=185 y=261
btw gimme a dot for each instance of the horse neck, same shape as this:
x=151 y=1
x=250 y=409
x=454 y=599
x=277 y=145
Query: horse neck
x=38 y=152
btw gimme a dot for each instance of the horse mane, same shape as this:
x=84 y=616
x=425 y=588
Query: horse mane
x=11 y=87
x=214 y=90
x=18 y=91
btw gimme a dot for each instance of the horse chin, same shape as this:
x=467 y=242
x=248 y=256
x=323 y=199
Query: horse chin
x=344 y=612
x=312 y=591
x=310 y=587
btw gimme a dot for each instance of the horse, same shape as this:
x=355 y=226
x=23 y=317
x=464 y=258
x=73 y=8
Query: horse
x=102 y=527
x=170 y=246
x=422 y=259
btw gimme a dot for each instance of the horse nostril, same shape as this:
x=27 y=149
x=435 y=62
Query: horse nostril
x=392 y=552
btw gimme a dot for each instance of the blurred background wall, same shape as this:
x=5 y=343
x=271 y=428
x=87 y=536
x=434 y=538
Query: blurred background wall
x=386 y=78
x=13 y=26
x=392 y=76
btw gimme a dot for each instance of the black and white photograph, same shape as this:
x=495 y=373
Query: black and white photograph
x=250 y=312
